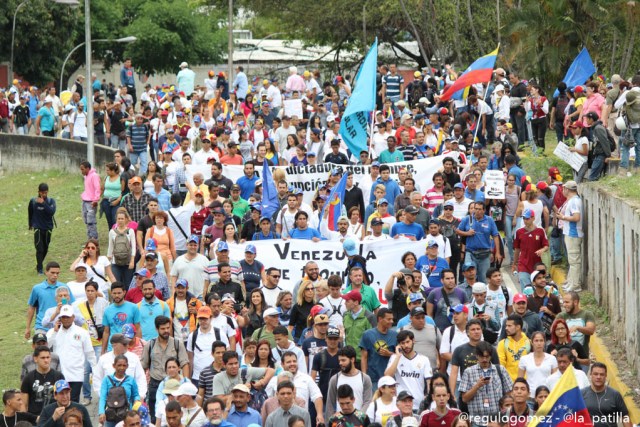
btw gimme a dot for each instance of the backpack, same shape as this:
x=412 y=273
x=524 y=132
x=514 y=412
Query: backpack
x=258 y=397
x=612 y=141
x=152 y=343
x=121 y=248
x=117 y=402
x=559 y=199
x=561 y=105
x=194 y=337
x=417 y=91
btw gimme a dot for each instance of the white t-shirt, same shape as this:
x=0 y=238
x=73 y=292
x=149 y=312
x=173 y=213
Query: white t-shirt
x=77 y=289
x=582 y=142
x=356 y=384
x=201 y=157
x=444 y=248
x=581 y=378
x=372 y=238
x=99 y=267
x=537 y=375
x=182 y=216
x=459 y=338
x=271 y=295
x=337 y=308
x=193 y=271
x=379 y=412
x=201 y=349
x=224 y=323
x=287 y=220
x=496 y=299
x=80 y=125
x=412 y=374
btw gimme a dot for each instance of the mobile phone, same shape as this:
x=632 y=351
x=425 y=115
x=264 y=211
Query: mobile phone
x=487 y=378
x=64 y=301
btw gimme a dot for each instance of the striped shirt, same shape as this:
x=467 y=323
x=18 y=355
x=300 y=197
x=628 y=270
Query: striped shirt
x=432 y=199
x=138 y=135
x=214 y=277
x=206 y=380
x=393 y=86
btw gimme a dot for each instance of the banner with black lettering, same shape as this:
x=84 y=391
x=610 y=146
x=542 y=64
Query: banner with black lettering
x=290 y=256
x=309 y=178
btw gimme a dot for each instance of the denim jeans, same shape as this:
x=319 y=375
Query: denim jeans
x=109 y=212
x=625 y=151
x=482 y=264
x=80 y=138
x=559 y=128
x=509 y=232
x=117 y=143
x=597 y=167
x=524 y=278
x=22 y=130
x=144 y=160
x=122 y=273
x=556 y=247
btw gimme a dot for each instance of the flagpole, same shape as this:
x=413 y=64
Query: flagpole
x=373 y=123
x=485 y=100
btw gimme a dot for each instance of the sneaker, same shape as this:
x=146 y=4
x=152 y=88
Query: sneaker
x=85 y=401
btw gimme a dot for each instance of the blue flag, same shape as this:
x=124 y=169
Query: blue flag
x=354 y=124
x=578 y=73
x=335 y=203
x=270 y=204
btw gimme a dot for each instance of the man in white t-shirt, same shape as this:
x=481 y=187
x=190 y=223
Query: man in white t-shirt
x=199 y=343
x=410 y=369
x=444 y=245
x=270 y=288
x=376 y=231
x=497 y=294
x=565 y=358
x=191 y=266
x=334 y=301
x=224 y=323
x=349 y=374
x=286 y=219
x=180 y=223
x=451 y=340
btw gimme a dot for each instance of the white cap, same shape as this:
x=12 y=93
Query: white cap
x=186 y=389
x=270 y=312
x=66 y=311
x=331 y=118
x=48 y=99
x=386 y=381
x=498 y=88
x=424 y=100
x=478 y=288
x=68 y=107
x=184 y=65
x=410 y=422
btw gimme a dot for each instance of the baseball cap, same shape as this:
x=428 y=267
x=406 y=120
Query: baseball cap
x=592 y=115
x=270 y=312
x=542 y=185
x=66 y=311
x=311 y=154
x=265 y=218
x=405 y=395
x=256 y=206
x=468 y=266
x=519 y=298
x=143 y=272
x=171 y=386
x=353 y=296
x=553 y=171
x=432 y=244
x=186 y=389
x=571 y=185
x=534 y=274
x=408 y=421
x=479 y=288
x=415 y=297
x=528 y=213
x=251 y=249
x=460 y=308
x=228 y=297
x=61 y=385
x=349 y=246
x=334 y=332
x=578 y=124
x=458 y=185
x=316 y=131
x=128 y=330
x=135 y=179
x=376 y=221
x=578 y=89
x=477 y=146
x=411 y=210
x=375 y=164
x=39 y=338
x=449 y=203
x=118 y=339
x=204 y=311
x=321 y=318
x=151 y=255
x=152 y=245
x=193 y=238
x=241 y=387
x=417 y=311
x=382 y=201
x=182 y=282
x=387 y=381
x=406 y=271
x=222 y=246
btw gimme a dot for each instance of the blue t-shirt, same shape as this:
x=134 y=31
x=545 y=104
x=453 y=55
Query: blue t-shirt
x=372 y=340
x=485 y=229
x=477 y=196
x=388 y=157
x=115 y=317
x=402 y=229
x=148 y=313
x=407 y=319
x=392 y=191
x=250 y=416
x=33 y=107
x=306 y=234
x=43 y=297
x=518 y=173
x=431 y=269
x=47 y=119
x=247 y=186
x=393 y=86
x=164 y=198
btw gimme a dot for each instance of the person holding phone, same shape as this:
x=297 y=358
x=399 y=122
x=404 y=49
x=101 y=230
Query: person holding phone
x=51 y=316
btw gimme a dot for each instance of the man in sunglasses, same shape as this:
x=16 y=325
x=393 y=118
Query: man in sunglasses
x=270 y=288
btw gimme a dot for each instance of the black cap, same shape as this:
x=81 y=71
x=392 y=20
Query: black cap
x=404 y=395
x=418 y=311
x=38 y=338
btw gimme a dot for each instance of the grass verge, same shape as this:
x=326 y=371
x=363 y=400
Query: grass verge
x=17 y=255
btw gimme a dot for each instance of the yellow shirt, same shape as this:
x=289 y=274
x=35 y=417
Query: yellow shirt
x=510 y=352
x=205 y=194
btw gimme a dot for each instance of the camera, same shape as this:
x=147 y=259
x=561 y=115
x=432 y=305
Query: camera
x=401 y=282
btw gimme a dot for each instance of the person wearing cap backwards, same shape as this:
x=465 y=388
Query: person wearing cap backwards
x=52 y=415
x=73 y=344
x=529 y=244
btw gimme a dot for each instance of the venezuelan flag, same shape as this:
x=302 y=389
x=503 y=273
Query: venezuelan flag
x=335 y=202
x=564 y=407
x=478 y=72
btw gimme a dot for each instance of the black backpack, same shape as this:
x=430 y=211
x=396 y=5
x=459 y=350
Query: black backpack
x=561 y=105
x=117 y=402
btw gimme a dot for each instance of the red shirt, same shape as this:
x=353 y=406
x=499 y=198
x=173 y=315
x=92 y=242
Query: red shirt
x=4 y=109
x=431 y=419
x=432 y=199
x=529 y=242
x=228 y=160
x=134 y=295
x=197 y=220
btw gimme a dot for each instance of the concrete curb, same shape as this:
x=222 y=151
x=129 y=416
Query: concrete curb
x=601 y=354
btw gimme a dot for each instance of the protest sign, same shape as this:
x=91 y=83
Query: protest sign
x=574 y=160
x=494 y=185
x=293 y=107
x=290 y=256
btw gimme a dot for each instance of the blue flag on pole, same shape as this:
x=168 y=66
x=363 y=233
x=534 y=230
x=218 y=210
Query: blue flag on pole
x=354 y=124
x=335 y=203
x=270 y=204
x=578 y=73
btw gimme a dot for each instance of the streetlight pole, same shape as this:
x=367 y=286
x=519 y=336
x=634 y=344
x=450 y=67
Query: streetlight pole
x=87 y=79
x=13 y=31
x=230 y=44
x=129 y=39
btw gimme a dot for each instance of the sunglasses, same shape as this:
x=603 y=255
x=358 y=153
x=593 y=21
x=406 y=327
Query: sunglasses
x=448 y=208
x=91 y=247
x=275 y=277
x=309 y=289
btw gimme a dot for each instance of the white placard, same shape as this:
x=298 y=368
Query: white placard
x=293 y=107
x=574 y=160
x=494 y=185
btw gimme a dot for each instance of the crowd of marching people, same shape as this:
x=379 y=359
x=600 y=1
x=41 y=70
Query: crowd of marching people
x=162 y=324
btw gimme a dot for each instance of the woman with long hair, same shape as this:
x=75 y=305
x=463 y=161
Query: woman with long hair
x=538 y=104
x=121 y=264
x=383 y=403
x=561 y=338
x=98 y=266
x=290 y=150
x=230 y=234
x=581 y=147
x=257 y=306
x=111 y=189
x=164 y=238
x=305 y=300
x=264 y=358
x=541 y=394
x=272 y=151
x=537 y=365
x=300 y=158
x=200 y=212
x=284 y=304
x=147 y=181
x=246 y=106
x=227 y=206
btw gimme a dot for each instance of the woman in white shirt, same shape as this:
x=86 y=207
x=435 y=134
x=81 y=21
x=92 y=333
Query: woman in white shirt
x=383 y=406
x=98 y=266
x=537 y=366
x=581 y=147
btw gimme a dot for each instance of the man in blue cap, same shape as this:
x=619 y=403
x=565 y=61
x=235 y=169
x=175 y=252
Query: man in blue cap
x=52 y=414
x=190 y=266
x=468 y=271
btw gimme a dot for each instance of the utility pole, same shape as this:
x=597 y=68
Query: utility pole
x=230 y=48
x=88 y=89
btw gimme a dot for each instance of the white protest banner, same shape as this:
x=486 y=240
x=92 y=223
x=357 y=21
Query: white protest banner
x=309 y=178
x=494 y=185
x=293 y=107
x=574 y=160
x=383 y=258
